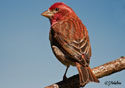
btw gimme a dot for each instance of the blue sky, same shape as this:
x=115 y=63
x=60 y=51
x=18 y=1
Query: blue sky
x=26 y=59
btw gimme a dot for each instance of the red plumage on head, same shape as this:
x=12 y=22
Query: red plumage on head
x=63 y=13
x=56 y=5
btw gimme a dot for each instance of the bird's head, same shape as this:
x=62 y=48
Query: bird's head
x=58 y=11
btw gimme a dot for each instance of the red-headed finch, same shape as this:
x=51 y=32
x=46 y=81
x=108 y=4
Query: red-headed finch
x=70 y=41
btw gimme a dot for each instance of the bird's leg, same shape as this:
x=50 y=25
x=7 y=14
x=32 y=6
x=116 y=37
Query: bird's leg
x=64 y=77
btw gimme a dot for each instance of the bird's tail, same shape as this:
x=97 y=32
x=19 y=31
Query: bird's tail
x=85 y=75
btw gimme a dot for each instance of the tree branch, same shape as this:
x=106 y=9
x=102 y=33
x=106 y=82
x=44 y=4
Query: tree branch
x=100 y=71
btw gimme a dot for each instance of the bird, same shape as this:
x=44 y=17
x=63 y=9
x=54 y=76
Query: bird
x=69 y=41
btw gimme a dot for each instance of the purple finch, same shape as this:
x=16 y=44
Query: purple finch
x=70 y=41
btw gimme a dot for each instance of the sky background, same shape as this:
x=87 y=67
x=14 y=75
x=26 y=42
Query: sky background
x=26 y=59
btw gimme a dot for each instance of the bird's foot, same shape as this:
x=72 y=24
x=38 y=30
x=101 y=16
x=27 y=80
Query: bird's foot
x=64 y=78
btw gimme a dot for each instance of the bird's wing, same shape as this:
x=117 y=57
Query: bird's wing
x=72 y=38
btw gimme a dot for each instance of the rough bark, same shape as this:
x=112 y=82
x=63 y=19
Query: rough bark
x=100 y=71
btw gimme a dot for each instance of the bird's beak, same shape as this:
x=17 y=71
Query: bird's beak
x=48 y=14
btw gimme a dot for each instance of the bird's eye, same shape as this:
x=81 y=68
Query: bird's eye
x=57 y=9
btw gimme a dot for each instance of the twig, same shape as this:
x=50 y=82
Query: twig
x=100 y=71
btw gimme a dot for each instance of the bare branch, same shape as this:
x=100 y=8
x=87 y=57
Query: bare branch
x=100 y=71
